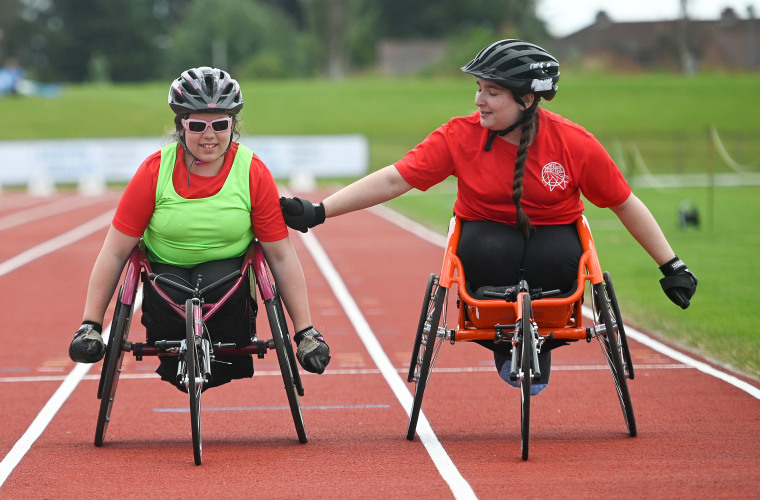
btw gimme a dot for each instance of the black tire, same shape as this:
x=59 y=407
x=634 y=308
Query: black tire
x=288 y=343
x=284 y=354
x=111 y=370
x=609 y=339
x=420 y=325
x=429 y=331
x=526 y=374
x=195 y=371
x=627 y=360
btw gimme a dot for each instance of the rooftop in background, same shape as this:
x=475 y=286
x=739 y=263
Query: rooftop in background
x=729 y=43
x=563 y=18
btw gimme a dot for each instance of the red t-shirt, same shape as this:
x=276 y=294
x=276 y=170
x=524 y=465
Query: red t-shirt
x=563 y=162
x=139 y=199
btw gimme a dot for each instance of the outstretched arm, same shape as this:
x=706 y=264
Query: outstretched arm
x=378 y=187
x=679 y=284
x=642 y=225
x=374 y=189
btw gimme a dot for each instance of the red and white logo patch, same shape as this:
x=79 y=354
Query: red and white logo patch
x=553 y=176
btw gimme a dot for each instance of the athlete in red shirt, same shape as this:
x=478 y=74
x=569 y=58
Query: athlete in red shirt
x=520 y=172
x=188 y=201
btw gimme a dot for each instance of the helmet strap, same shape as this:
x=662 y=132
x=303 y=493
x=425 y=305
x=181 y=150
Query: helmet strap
x=196 y=161
x=494 y=133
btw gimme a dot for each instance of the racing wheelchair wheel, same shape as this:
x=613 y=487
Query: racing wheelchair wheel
x=195 y=371
x=286 y=358
x=111 y=370
x=609 y=337
x=627 y=361
x=526 y=374
x=420 y=326
x=427 y=333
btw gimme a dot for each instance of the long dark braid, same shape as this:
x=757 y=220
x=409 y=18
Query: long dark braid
x=523 y=221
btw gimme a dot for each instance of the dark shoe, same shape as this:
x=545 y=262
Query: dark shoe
x=504 y=366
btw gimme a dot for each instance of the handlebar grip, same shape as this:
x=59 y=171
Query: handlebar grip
x=230 y=277
x=508 y=295
x=173 y=284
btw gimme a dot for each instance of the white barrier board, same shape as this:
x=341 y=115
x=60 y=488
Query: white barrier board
x=116 y=159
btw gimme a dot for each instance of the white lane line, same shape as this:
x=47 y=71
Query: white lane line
x=448 y=471
x=688 y=360
x=42 y=420
x=49 y=411
x=43 y=211
x=416 y=228
x=45 y=416
x=54 y=244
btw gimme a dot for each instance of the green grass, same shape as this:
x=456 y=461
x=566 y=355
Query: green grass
x=665 y=117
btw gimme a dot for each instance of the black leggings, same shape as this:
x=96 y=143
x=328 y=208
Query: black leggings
x=496 y=254
x=233 y=322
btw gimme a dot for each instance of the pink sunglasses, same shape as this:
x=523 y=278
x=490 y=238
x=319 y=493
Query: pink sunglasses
x=200 y=126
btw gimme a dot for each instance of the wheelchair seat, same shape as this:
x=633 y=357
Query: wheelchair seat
x=478 y=312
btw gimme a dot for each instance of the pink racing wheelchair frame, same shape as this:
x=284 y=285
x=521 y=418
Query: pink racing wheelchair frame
x=254 y=269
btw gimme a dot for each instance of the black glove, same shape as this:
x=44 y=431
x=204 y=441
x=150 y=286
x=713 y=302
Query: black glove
x=679 y=284
x=302 y=214
x=313 y=352
x=88 y=345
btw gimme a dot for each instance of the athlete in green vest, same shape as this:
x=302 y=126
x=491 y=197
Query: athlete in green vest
x=198 y=204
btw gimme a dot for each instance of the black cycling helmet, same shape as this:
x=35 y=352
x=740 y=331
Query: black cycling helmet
x=205 y=89
x=522 y=67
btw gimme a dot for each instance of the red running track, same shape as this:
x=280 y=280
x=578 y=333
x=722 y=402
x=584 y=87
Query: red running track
x=697 y=433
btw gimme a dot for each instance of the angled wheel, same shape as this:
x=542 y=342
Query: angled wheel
x=608 y=334
x=111 y=370
x=432 y=280
x=422 y=361
x=195 y=372
x=526 y=374
x=286 y=359
x=288 y=342
x=627 y=361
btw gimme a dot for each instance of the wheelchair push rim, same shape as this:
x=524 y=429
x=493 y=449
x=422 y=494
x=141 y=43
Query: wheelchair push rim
x=111 y=369
x=627 y=360
x=427 y=334
x=286 y=360
x=608 y=335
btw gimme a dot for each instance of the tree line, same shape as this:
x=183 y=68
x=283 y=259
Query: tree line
x=145 y=40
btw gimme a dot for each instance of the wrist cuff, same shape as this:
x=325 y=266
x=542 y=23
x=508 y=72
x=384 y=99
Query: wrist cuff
x=319 y=213
x=672 y=266
x=95 y=326
x=298 y=336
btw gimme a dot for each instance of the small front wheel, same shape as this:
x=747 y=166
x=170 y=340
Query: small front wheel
x=526 y=373
x=195 y=372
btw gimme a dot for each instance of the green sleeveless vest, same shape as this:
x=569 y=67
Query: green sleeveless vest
x=186 y=232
